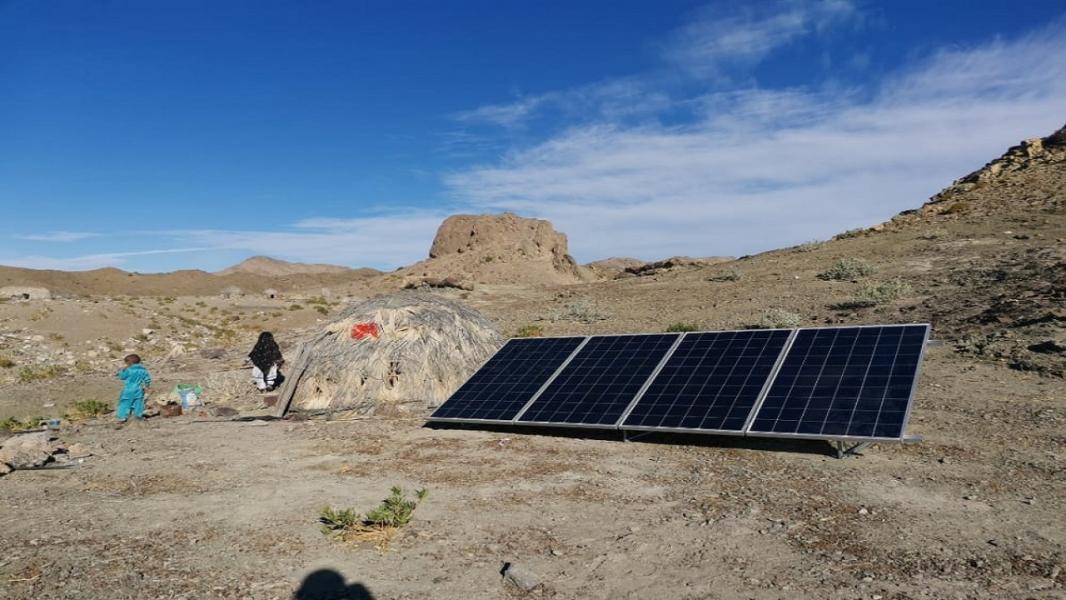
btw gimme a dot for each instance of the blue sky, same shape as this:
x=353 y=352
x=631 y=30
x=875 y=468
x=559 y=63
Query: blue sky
x=153 y=136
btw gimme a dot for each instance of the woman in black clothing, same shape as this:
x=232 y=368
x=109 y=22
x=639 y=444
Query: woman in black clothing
x=266 y=362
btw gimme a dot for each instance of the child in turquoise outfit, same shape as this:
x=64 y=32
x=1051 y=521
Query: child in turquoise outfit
x=138 y=380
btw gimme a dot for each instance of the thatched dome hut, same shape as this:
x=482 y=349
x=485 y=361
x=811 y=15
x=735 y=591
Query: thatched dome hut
x=398 y=354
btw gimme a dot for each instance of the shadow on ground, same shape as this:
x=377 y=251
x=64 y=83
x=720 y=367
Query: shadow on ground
x=801 y=446
x=327 y=584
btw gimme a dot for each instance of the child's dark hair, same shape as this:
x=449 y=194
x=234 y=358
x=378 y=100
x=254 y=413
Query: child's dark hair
x=133 y=359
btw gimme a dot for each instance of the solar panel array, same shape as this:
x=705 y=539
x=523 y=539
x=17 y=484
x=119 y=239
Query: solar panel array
x=854 y=383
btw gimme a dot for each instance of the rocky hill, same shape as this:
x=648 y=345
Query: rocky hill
x=273 y=267
x=497 y=249
x=116 y=282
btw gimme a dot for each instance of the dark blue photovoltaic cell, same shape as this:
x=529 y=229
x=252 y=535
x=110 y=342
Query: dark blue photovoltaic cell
x=846 y=381
x=508 y=380
x=601 y=380
x=711 y=382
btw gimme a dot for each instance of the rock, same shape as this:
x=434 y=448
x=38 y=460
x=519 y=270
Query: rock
x=520 y=577
x=78 y=451
x=170 y=410
x=147 y=332
x=5 y=469
x=29 y=450
x=222 y=411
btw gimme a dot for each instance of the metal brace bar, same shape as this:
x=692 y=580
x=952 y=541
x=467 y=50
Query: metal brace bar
x=844 y=451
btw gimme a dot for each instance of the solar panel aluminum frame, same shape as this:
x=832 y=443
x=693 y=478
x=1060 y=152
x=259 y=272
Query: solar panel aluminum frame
x=601 y=427
x=848 y=438
x=751 y=416
x=536 y=394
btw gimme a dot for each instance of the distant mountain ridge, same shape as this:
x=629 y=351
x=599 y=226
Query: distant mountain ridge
x=273 y=267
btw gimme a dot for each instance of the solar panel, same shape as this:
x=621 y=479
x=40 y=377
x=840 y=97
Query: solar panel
x=844 y=382
x=504 y=384
x=710 y=383
x=599 y=383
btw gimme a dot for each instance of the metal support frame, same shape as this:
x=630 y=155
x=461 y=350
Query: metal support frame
x=844 y=450
x=630 y=436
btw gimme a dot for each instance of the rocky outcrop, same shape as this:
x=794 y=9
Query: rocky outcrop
x=1030 y=154
x=497 y=249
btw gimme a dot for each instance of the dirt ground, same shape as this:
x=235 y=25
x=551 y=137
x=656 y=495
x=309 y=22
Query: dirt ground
x=182 y=508
x=208 y=508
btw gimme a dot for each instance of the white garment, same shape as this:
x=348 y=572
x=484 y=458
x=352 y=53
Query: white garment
x=264 y=382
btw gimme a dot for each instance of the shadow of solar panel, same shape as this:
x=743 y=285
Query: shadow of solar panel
x=710 y=383
x=844 y=382
x=600 y=382
x=499 y=390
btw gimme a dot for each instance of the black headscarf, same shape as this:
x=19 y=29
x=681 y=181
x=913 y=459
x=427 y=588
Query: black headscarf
x=266 y=353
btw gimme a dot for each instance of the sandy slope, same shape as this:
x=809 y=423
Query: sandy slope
x=178 y=509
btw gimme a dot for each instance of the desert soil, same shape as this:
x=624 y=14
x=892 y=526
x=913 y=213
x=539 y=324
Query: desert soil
x=204 y=507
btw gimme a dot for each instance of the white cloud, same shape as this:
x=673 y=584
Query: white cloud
x=757 y=169
x=382 y=241
x=89 y=261
x=719 y=39
x=58 y=236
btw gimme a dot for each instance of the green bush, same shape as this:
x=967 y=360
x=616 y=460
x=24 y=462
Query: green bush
x=322 y=309
x=847 y=269
x=583 y=310
x=295 y=307
x=683 y=327
x=877 y=294
x=777 y=318
x=15 y=425
x=810 y=246
x=31 y=374
x=396 y=510
x=851 y=233
x=529 y=331
x=393 y=513
x=87 y=409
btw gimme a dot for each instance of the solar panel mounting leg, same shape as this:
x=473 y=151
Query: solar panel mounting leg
x=629 y=437
x=844 y=451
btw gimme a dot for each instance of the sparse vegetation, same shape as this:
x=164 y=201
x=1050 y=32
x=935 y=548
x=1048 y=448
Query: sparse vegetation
x=487 y=259
x=56 y=337
x=583 y=310
x=318 y=300
x=810 y=246
x=847 y=269
x=683 y=327
x=877 y=294
x=32 y=374
x=851 y=233
x=777 y=318
x=728 y=275
x=295 y=307
x=6 y=363
x=15 y=425
x=322 y=309
x=379 y=525
x=529 y=331
x=87 y=409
